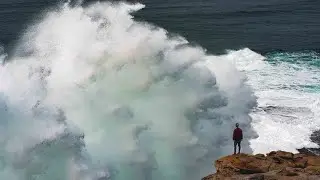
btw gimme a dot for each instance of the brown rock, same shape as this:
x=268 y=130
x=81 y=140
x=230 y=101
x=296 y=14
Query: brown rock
x=289 y=172
x=313 y=177
x=248 y=177
x=281 y=154
x=281 y=166
x=299 y=156
x=313 y=161
x=313 y=170
x=277 y=165
x=260 y=156
x=241 y=164
x=210 y=177
x=300 y=162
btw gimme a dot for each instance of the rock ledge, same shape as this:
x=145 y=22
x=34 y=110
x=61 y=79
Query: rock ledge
x=276 y=165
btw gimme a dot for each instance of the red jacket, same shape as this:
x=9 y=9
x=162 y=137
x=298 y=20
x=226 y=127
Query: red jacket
x=237 y=134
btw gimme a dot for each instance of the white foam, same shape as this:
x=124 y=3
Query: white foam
x=296 y=113
x=150 y=106
x=139 y=97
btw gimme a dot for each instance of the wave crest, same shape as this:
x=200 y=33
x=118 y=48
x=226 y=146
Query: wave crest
x=145 y=105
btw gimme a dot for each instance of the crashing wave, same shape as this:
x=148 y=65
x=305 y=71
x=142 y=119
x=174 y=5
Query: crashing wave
x=91 y=93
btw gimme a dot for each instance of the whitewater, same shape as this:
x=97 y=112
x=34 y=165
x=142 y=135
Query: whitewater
x=89 y=93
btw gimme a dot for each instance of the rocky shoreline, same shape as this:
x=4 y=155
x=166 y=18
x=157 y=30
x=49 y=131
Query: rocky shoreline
x=273 y=166
x=315 y=137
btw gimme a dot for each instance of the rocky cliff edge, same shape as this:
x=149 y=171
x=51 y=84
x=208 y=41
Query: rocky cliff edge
x=276 y=165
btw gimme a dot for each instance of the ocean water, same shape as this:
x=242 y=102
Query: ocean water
x=151 y=90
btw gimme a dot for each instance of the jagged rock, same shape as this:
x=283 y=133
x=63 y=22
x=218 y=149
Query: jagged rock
x=242 y=164
x=281 y=154
x=276 y=165
x=260 y=156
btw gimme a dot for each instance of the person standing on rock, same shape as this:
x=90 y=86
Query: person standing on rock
x=237 y=138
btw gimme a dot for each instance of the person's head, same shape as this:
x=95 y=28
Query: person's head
x=237 y=125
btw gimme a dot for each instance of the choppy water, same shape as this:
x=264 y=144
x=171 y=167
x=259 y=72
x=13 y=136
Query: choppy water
x=118 y=91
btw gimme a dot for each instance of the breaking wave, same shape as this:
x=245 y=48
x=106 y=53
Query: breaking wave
x=90 y=93
x=287 y=88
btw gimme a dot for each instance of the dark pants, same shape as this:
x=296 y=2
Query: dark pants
x=237 y=142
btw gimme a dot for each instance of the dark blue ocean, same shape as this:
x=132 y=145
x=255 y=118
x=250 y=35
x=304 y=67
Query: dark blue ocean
x=217 y=25
x=150 y=89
